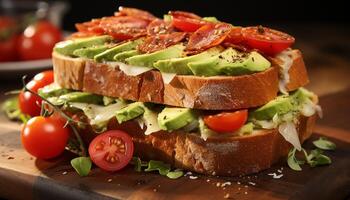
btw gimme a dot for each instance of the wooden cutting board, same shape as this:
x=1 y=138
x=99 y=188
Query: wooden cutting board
x=24 y=177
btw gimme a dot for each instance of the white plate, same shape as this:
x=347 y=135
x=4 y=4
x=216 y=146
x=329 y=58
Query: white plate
x=25 y=65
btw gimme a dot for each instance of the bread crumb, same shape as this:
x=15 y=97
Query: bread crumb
x=193 y=177
x=238 y=182
x=225 y=184
x=217 y=184
x=246 y=186
x=251 y=183
x=239 y=188
x=109 y=180
x=245 y=192
x=227 y=196
x=275 y=176
x=155 y=190
x=64 y=173
x=208 y=180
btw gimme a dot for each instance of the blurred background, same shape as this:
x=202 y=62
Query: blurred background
x=321 y=28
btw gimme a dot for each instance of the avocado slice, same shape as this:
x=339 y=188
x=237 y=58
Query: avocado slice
x=280 y=105
x=230 y=62
x=242 y=64
x=130 y=112
x=179 y=65
x=301 y=95
x=124 y=55
x=89 y=52
x=69 y=46
x=82 y=97
x=174 y=118
x=147 y=60
x=52 y=90
x=109 y=54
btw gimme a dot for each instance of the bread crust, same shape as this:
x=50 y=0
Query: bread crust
x=209 y=93
x=224 y=156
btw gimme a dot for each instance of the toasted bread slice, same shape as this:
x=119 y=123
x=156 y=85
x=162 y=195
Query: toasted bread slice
x=225 y=155
x=210 y=93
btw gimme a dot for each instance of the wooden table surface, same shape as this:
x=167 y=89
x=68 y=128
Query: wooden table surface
x=24 y=177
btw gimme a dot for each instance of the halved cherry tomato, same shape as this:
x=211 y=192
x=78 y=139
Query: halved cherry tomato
x=136 y=13
x=45 y=137
x=112 y=150
x=188 y=24
x=269 y=41
x=226 y=122
x=29 y=103
x=208 y=36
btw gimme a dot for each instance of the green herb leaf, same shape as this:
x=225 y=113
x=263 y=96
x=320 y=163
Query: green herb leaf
x=323 y=143
x=82 y=165
x=12 y=111
x=316 y=158
x=136 y=161
x=292 y=161
x=175 y=174
x=159 y=166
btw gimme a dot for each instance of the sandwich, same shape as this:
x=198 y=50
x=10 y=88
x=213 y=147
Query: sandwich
x=194 y=92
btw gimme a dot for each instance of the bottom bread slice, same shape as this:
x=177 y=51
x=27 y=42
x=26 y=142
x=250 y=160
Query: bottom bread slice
x=225 y=156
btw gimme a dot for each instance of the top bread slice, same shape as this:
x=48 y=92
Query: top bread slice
x=208 y=93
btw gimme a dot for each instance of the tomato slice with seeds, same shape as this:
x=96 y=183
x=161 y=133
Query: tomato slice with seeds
x=269 y=41
x=226 y=122
x=186 y=21
x=208 y=36
x=111 y=150
x=235 y=36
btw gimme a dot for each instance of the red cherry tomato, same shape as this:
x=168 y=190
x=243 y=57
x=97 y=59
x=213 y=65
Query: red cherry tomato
x=29 y=103
x=44 y=137
x=269 y=41
x=38 y=40
x=112 y=150
x=8 y=39
x=226 y=122
x=188 y=24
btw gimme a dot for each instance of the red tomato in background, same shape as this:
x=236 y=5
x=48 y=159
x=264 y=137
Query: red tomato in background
x=8 y=39
x=38 y=40
x=226 y=122
x=29 y=103
x=112 y=150
x=44 y=137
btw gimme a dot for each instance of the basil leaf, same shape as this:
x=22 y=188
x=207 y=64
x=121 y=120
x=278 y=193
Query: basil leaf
x=323 y=143
x=320 y=160
x=82 y=165
x=292 y=161
x=159 y=166
x=175 y=174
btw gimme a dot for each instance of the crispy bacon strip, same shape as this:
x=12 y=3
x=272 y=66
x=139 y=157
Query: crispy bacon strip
x=162 y=41
x=208 y=36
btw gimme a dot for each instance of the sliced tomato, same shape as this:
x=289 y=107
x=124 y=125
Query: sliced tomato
x=268 y=41
x=112 y=150
x=226 y=122
x=124 y=27
x=188 y=24
x=159 y=42
x=136 y=13
x=159 y=26
x=80 y=35
x=184 y=14
x=208 y=36
x=235 y=36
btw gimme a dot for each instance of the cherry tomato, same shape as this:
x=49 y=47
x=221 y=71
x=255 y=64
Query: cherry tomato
x=38 y=40
x=8 y=39
x=188 y=24
x=44 y=137
x=29 y=103
x=235 y=36
x=269 y=41
x=112 y=150
x=226 y=122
